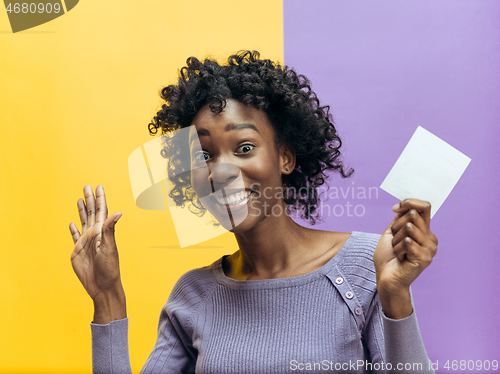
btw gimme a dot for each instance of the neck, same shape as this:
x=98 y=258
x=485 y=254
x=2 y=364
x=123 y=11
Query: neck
x=273 y=247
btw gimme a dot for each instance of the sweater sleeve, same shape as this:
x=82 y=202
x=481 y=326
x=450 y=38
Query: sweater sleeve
x=110 y=353
x=110 y=350
x=404 y=345
x=398 y=342
x=173 y=352
x=391 y=344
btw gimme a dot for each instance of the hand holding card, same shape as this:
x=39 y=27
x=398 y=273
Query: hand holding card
x=422 y=178
x=405 y=249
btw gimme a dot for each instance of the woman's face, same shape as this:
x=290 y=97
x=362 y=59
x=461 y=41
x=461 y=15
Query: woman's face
x=235 y=166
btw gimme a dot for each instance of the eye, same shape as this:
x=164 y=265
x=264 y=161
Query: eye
x=200 y=156
x=246 y=148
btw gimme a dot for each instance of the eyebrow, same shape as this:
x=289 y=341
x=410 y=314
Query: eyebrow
x=241 y=126
x=230 y=127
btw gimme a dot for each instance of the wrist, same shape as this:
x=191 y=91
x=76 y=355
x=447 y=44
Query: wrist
x=109 y=306
x=396 y=304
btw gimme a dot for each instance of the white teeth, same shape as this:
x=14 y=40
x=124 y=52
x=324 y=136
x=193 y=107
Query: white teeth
x=234 y=198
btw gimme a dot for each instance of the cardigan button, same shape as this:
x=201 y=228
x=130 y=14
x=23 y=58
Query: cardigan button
x=339 y=280
x=349 y=295
x=358 y=311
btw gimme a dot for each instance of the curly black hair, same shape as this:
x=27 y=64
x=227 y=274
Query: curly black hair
x=287 y=99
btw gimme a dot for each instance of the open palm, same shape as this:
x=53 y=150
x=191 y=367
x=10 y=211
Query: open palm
x=95 y=256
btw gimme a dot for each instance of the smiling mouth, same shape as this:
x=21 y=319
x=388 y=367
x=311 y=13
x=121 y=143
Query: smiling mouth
x=234 y=200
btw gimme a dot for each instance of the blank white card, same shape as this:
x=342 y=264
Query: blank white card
x=428 y=169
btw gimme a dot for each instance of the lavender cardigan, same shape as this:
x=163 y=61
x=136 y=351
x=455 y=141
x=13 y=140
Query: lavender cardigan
x=326 y=321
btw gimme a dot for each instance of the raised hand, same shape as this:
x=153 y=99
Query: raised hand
x=95 y=256
x=405 y=249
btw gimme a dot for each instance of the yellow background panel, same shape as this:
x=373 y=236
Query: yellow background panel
x=76 y=95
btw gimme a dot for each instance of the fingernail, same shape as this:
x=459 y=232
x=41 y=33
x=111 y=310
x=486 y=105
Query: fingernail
x=117 y=218
x=396 y=206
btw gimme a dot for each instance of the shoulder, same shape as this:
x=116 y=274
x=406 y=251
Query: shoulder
x=359 y=248
x=357 y=254
x=356 y=264
x=187 y=299
x=191 y=288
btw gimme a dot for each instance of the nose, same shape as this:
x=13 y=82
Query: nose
x=221 y=174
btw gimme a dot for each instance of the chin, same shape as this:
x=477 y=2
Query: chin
x=237 y=224
x=242 y=227
x=234 y=219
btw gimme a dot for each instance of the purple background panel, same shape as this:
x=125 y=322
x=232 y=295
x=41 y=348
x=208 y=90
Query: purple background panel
x=386 y=67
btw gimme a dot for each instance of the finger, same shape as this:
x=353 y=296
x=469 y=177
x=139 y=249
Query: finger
x=414 y=217
x=421 y=206
x=108 y=229
x=412 y=231
x=101 y=208
x=74 y=232
x=90 y=204
x=419 y=256
x=422 y=239
x=410 y=216
x=401 y=248
x=413 y=250
x=82 y=211
x=388 y=230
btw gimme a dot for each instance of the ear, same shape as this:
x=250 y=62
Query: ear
x=287 y=159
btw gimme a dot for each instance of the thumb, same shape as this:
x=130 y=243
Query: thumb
x=384 y=251
x=108 y=228
x=388 y=230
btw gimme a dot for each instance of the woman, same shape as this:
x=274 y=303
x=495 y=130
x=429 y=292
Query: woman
x=291 y=298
